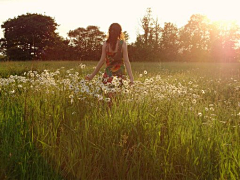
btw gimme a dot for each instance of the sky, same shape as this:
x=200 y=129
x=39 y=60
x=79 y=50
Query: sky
x=72 y=14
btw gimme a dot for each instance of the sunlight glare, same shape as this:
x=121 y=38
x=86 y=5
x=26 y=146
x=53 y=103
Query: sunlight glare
x=223 y=11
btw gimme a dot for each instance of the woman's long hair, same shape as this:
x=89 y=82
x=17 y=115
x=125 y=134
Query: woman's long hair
x=114 y=33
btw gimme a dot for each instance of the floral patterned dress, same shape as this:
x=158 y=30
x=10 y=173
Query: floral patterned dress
x=114 y=67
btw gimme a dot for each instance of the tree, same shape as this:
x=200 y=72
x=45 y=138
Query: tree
x=169 y=43
x=59 y=51
x=147 y=26
x=28 y=35
x=2 y=49
x=87 y=42
x=3 y=46
x=126 y=35
x=224 y=37
x=157 y=32
x=195 y=38
x=147 y=44
x=238 y=54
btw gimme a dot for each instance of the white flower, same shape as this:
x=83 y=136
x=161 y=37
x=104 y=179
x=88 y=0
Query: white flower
x=87 y=89
x=100 y=97
x=83 y=89
x=200 y=114
x=97 y=89
x=195 y=96
x=12 y=92
x=126 y=91
x=70 y=86
x=125 y=82
x=140 y=75
x=76 y=90
x=211 y=108
x=145 y=72
x=158 y=77
x=31 y=75
x=82 y=82
x=107 y=99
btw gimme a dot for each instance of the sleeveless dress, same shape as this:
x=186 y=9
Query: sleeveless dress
x=114 y=67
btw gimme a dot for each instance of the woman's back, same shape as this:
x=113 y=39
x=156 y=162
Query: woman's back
x=114 y=62
x=114 y=53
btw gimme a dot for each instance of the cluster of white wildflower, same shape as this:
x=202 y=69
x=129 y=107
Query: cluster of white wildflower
x=75 y=86
x=71 y=84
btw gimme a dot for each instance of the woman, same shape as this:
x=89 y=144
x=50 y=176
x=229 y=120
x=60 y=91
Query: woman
x=115 y=54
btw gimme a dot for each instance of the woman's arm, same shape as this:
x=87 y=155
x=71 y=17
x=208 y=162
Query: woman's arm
x=127 y=62
x=100 y=63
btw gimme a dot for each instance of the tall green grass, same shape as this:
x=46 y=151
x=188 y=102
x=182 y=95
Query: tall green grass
x=194 y=135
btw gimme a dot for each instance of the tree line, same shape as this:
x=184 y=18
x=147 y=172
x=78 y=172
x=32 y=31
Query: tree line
x=34 y=37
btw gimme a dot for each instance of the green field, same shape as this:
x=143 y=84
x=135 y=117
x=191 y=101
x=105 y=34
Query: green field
x=178 y=121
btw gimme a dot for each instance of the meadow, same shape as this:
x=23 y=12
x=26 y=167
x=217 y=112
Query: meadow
x=178 y=121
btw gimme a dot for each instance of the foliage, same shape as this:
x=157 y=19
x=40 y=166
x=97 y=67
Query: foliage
x=3 y=46
x=203 y=40
x=2 y=57
x=27 y=36
x=60 y=50
x=33 y=36
x=199 y=40
x=87 y=43
x=169 y=43
x=126 y=36
x=194 y=38
x=147 y=44
x=224 y=37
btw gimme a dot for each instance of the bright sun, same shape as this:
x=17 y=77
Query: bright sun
x=223 y=11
